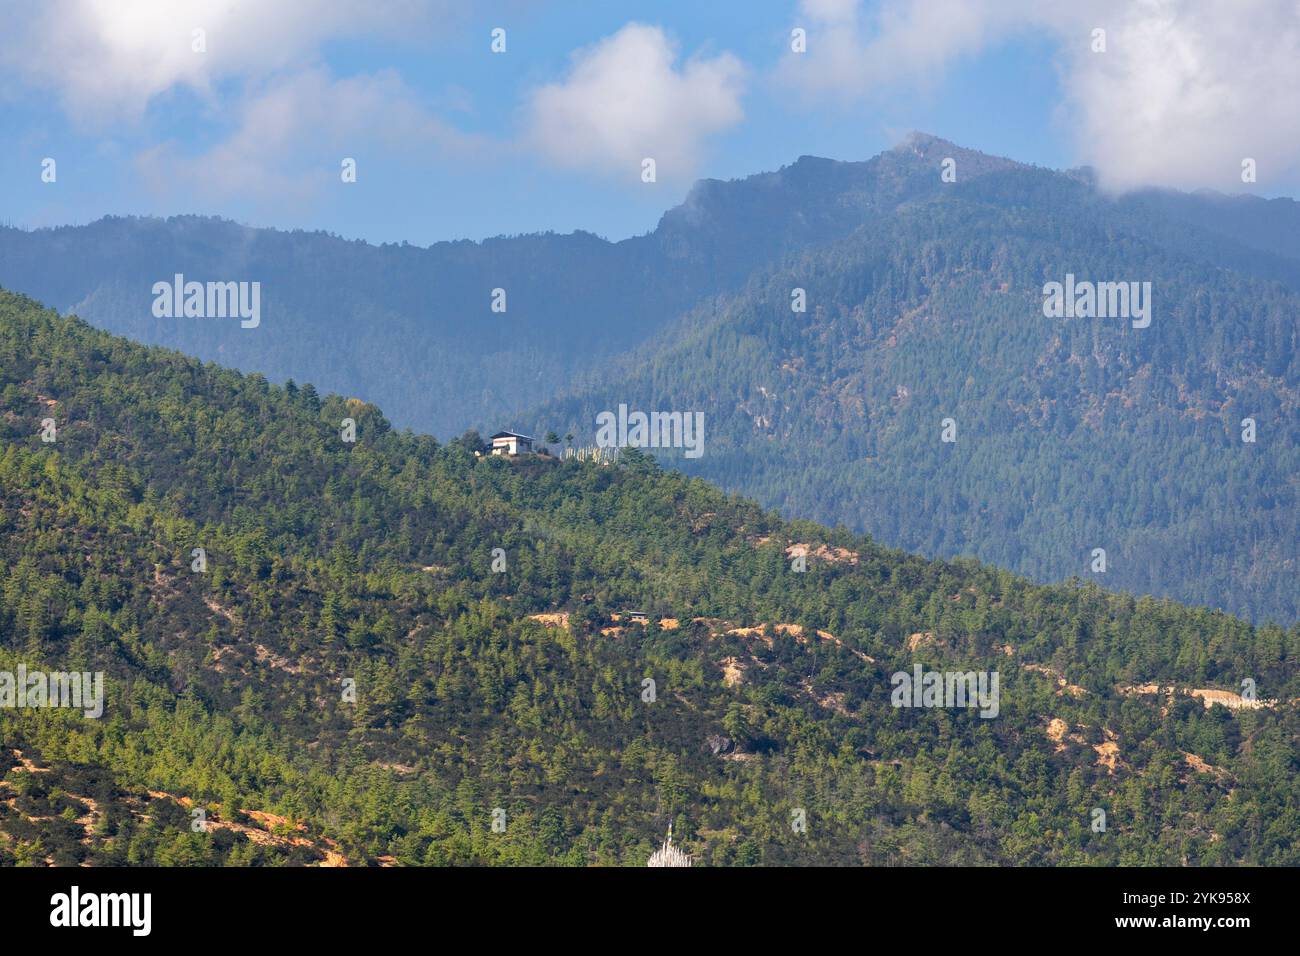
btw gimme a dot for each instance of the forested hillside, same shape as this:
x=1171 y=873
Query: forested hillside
x=483 y=686
x=924 y=303
x=1069 y=434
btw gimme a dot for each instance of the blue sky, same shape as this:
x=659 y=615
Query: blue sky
x=454 y=141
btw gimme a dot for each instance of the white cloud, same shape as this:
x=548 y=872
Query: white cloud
x=281 y=122
x=906 y=42
x=292 y=135
x=107 y=59
x=625 y=99
x=1185 y=90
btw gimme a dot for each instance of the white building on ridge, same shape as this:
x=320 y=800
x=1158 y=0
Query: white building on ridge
x=511 y=443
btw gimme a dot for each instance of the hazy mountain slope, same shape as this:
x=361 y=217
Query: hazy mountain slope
x=1072 y=434
x=1266 y=225
x=330 y=561
x=888 y=250
x=412 y=328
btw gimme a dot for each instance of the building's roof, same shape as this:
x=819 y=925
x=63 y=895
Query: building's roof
x=510 y=435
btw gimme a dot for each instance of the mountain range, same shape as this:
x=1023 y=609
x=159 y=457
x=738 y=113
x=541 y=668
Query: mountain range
x=924 y=320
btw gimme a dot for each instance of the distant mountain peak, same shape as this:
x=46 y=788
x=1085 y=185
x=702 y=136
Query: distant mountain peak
x=917 y=140
x=832 y=195
x=933 y=149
